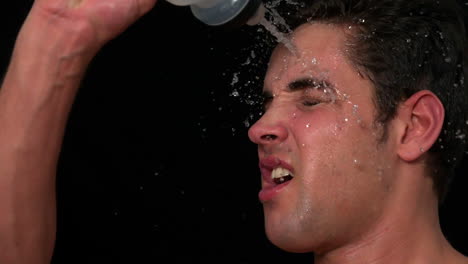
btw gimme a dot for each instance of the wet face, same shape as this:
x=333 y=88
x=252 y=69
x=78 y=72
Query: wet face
x=318 y=140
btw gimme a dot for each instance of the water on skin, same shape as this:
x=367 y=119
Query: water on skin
x=284 y=38
x=274 y=27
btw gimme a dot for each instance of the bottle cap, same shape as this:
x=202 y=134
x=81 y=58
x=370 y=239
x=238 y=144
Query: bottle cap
x=242 y=13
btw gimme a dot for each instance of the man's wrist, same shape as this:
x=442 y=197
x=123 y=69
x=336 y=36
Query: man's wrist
x=57 y=36
x=53 y=51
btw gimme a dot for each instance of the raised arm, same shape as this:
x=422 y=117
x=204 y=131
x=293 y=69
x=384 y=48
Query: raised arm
x=55 y=44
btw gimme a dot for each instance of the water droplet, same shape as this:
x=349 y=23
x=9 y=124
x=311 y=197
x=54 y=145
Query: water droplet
x=235 y=79
x=459 y=135
x=448 y=59
x=308 y=125
x=408 y=40
x=314 y=61
x=235 y=93
x=250 y=102
x=441 y=35
x=346 y=119
x=355 y=109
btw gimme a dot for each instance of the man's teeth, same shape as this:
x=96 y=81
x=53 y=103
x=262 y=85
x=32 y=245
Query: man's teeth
x=280 y=175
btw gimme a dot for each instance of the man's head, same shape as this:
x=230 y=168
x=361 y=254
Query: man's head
x=373 y=92
x=404 y=47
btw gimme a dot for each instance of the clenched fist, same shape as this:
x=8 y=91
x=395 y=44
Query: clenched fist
x=97 y=21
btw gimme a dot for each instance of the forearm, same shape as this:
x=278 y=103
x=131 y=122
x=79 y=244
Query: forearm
x=46 y=67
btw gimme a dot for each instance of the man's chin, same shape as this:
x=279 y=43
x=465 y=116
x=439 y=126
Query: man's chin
x=287 y=241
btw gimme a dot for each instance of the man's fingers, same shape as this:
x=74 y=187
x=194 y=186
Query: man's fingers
x=144 y=6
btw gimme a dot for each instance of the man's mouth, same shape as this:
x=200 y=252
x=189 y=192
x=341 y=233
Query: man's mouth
x=277 y=174
x=281 y=175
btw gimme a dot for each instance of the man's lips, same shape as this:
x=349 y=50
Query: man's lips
x=269 y=188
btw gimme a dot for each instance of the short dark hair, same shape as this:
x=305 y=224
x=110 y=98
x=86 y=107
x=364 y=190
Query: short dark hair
x=404 y=46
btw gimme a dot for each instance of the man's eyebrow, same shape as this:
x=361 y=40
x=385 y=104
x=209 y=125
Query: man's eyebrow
x=302 y=84
x=309 y=82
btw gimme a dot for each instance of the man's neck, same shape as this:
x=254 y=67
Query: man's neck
x=404 y=234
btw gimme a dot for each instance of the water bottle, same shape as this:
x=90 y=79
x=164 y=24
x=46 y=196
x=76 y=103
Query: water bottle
x=225 y=12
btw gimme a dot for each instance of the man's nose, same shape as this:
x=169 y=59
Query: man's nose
x=265 y=132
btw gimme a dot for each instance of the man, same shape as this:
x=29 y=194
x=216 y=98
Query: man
x=352 y=153
x=351 y=177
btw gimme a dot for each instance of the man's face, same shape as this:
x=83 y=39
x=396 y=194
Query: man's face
x=319 y=125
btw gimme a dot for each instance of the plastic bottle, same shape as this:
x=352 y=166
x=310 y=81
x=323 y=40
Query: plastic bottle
x=225 y=12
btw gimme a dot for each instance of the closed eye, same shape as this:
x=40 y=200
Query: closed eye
x=310 y=102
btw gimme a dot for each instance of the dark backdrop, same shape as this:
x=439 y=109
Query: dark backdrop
x=156 y=165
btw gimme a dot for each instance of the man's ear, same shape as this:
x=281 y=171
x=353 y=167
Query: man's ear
x=421 y=118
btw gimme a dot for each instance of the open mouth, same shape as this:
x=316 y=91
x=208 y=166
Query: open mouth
x=274 y=181
x=276 y=174
x=281 y=175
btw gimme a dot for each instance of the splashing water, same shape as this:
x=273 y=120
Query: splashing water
x=280 y=36
x=235 y=79
x=277 y=19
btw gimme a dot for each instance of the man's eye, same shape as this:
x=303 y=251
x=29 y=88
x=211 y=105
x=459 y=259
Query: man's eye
x=310 y=102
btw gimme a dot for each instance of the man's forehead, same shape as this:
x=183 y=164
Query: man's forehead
x=317 y=52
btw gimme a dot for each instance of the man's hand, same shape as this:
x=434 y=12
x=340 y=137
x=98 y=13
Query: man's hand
x=98 y=20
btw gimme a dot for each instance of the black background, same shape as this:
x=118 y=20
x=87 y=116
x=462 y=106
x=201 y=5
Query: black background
x=156 y=166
